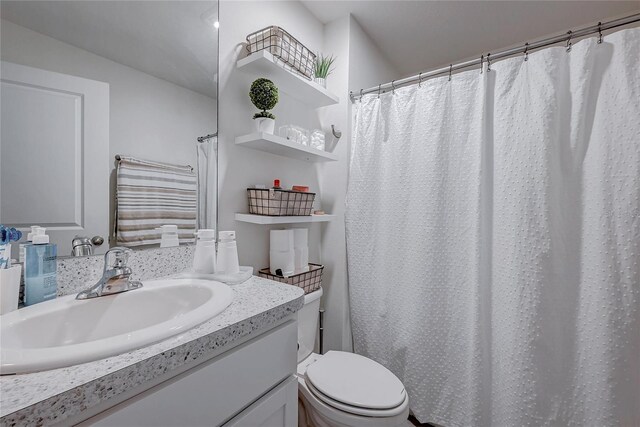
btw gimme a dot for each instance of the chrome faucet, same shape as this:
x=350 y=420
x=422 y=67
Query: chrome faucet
x=116 y=275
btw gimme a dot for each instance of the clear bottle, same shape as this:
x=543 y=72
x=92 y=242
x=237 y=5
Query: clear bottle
x=40 y=275
x=228 y=253
x=22 y=246
x=204 y=259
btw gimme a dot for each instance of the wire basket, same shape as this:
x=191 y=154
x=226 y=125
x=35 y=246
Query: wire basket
x=273 y=202
x=309 y=281
x=285 y=48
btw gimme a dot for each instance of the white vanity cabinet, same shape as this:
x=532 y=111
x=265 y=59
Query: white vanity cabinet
x=251 y=384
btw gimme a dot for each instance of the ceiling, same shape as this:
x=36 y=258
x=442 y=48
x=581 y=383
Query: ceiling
x=422 y=35
x=170 y=40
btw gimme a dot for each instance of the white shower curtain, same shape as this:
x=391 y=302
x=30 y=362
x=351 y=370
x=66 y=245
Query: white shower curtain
x=493 y=233
x=207 y=154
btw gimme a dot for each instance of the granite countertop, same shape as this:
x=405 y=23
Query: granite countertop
x=51 y=396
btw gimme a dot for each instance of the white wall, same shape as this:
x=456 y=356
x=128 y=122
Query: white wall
x=333 y=182
x=178 y=116
x=361 y=64
x=149 y=117
x=367 y=64
x=242 y=167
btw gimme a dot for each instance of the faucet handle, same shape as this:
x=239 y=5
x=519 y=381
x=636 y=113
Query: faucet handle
x=116 y=257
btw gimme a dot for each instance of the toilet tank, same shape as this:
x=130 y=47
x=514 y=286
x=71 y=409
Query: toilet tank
x=308 y=324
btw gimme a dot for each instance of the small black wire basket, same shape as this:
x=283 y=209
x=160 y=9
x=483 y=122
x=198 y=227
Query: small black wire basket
x=285 y=48
x=273 y=202
x=309 y=281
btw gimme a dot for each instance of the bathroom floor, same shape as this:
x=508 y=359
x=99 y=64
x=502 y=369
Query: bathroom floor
x=412 y=422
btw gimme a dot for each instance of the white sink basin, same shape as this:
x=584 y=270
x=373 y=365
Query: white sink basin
x=66 y=331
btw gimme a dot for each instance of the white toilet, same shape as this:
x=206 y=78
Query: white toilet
x=343 y=389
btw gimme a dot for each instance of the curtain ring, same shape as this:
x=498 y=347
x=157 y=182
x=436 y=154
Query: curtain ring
x=379 y=90
x=526 y=51
x=393 y=87
x=599 y=32
x=420 y=79
x=481 y=63
x=569 y=41
x=488 y=62
x=450 y=69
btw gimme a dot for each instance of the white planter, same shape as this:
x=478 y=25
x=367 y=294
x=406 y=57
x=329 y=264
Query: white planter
x=266 y=125
x=321 y=81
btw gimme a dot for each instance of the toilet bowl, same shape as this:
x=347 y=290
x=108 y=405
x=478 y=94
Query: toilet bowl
x=340 y=389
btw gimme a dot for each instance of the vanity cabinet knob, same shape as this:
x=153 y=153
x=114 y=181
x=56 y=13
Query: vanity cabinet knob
x=97 y=240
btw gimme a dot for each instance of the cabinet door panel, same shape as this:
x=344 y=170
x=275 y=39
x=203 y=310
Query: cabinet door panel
x=279 y=408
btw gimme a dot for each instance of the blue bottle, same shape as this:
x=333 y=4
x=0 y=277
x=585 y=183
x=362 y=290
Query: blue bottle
x=40 y=275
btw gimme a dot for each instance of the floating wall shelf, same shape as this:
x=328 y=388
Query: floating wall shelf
x=262 y=219
x=263 y=64
x=283 y=147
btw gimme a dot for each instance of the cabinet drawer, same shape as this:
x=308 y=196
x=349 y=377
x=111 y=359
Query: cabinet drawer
x=216 y=390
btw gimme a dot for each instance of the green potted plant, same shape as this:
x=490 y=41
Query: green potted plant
x=322 y=69
x=264 y=95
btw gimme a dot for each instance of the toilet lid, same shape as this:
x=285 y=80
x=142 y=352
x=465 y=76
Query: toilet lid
x=356 y=380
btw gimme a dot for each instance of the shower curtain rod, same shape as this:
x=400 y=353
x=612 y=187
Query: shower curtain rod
x=204 y=138
x=490 y=57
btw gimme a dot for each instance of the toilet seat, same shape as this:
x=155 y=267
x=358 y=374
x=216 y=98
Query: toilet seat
x=355 y=384
x=376 y=413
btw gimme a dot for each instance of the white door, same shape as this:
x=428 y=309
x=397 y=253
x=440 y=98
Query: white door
x=54 y=154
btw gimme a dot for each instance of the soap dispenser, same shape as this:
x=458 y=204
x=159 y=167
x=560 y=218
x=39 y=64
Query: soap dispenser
x=228 y=253
x=23 y=246
x=40 y=275
x=168 y=236
x=204 y=259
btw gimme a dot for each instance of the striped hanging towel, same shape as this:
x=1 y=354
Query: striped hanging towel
x=150 y=194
